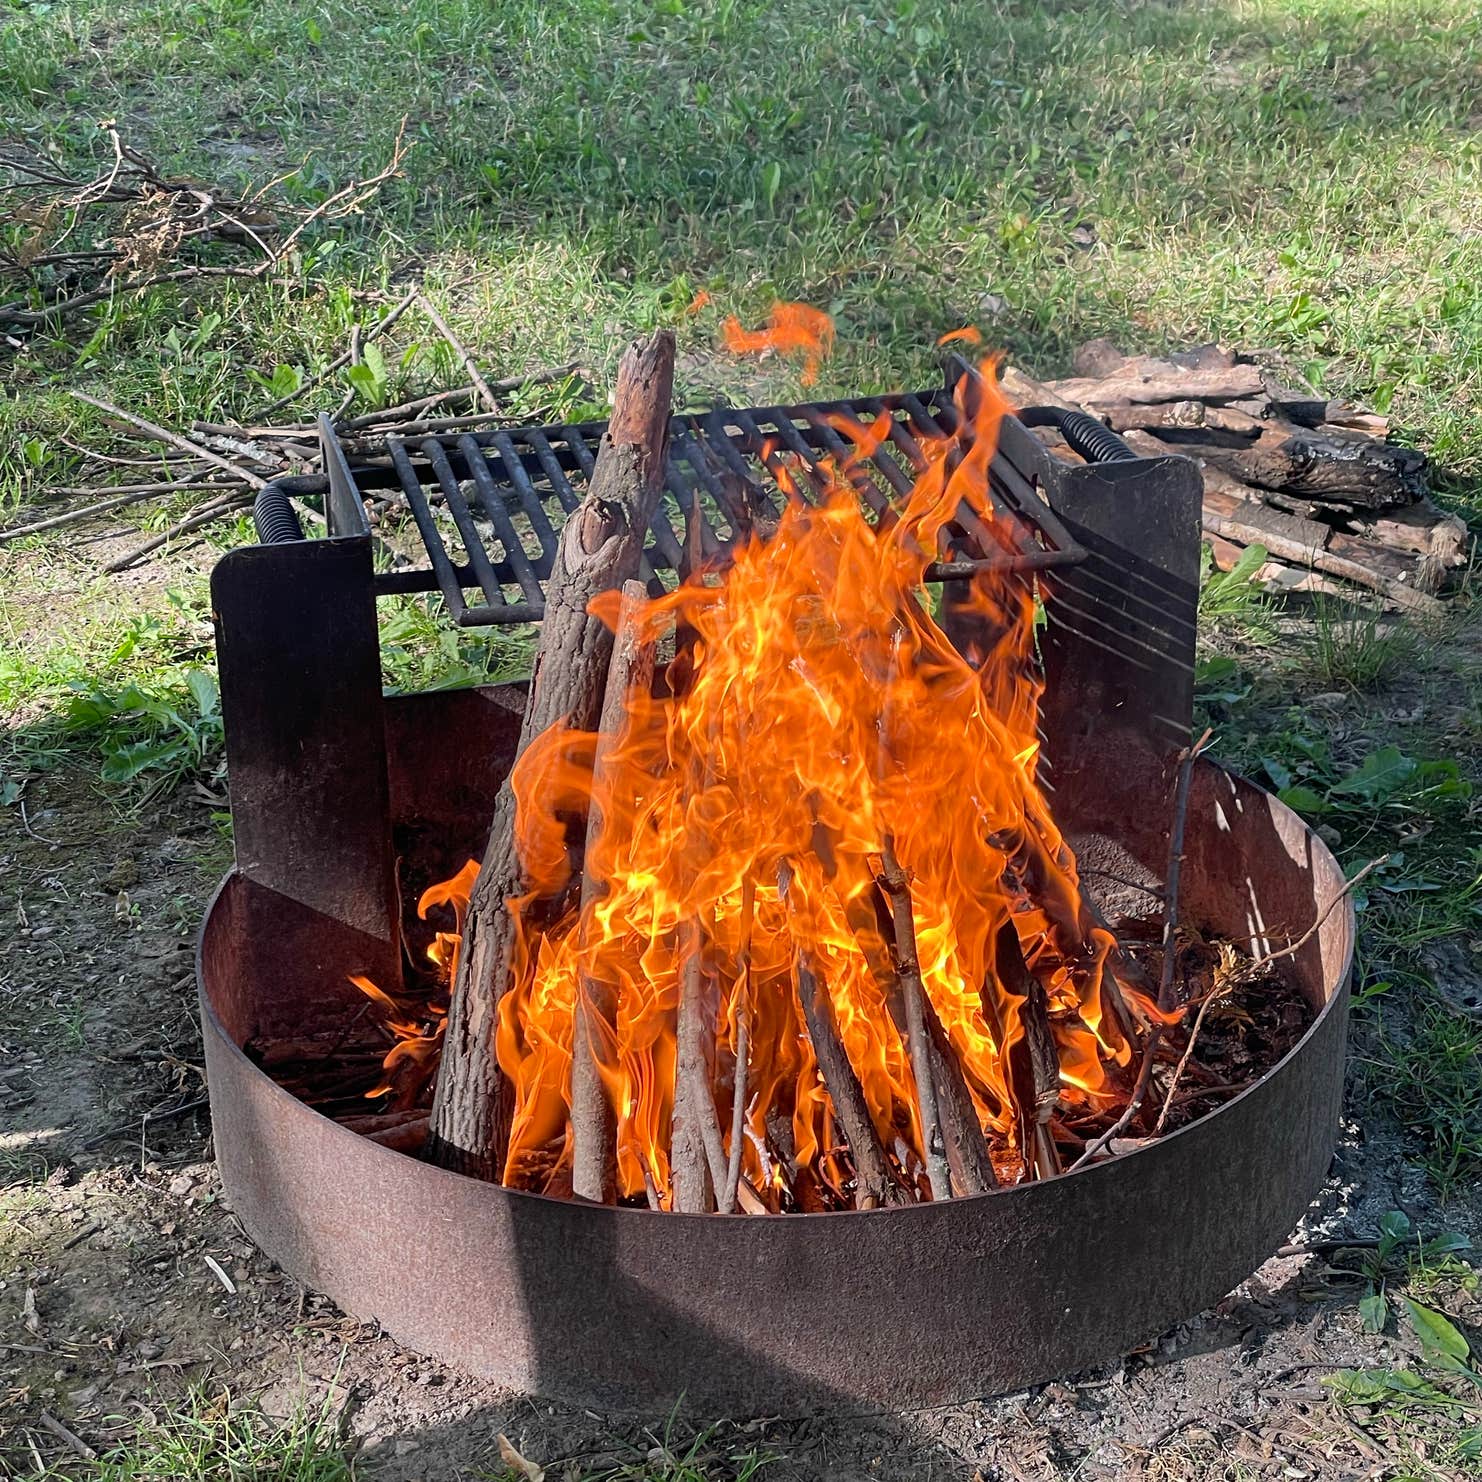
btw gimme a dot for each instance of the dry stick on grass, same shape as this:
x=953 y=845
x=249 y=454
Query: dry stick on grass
x=897 y=887
x=727 y=1196
x=67 y=1438
x=164 y=435
x=377 y=329
x=593 y=1126
x=486 y=395
x=599 y=549
x=875 y=1184
x=103 y=506
x=203 y=515
x=1249 y=970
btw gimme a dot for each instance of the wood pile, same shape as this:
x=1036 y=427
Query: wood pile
x=1316 y=484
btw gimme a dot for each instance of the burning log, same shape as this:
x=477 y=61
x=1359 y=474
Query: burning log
x=876 y=1185
x=599 y=549
x=692 y=1158
x=1034 y=1060
x=594 y=1152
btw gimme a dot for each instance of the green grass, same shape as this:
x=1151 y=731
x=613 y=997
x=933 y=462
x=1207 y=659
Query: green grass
x=210 y=1440
x=1359 y=648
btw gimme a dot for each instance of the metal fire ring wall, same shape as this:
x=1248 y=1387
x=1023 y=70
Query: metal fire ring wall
x=628 y=1309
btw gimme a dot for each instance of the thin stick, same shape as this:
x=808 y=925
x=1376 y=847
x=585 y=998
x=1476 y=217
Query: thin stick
x=486 y=395
x=593 y=1126
x=66 y=1437
x=164 y=435
x=1327 y=911
x=1247 y=971
x=541 y=376
x=730 y=1191
x=378 y=328
x=13 y=313
x=1175 y=868
x=354 y=189
x=205 y=514
x=874 y=1184
x=133 y=496
x=1144 y=1075
x=897 y=887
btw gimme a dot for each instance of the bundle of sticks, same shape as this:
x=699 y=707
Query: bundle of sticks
x=1311 y=481
x=586 y=670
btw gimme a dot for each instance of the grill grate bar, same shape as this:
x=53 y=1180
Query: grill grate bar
x=492 y=503
x=727 y=473
x=519 y=475
x=448 y=580
x=478 y=559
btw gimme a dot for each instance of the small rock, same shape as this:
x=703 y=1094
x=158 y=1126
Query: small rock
x=406 y=1445
x=1329 y=700
x=149 y=1349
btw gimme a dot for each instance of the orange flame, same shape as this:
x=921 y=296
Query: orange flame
x=967 y=335
x=793 y=330
x=418 y=1027
x=825 y=711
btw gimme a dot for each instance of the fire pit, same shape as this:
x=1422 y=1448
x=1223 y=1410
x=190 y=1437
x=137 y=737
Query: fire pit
x=343 y=800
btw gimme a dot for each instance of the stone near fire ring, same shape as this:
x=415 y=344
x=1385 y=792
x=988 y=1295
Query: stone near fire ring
x=625 y=1308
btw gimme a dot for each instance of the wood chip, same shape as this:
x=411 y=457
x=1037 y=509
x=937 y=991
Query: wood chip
x=522 y=1465
x=221 y=1276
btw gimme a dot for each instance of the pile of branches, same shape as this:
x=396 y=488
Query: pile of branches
x=133 y=226
x=229 y=462
x=1312 y=485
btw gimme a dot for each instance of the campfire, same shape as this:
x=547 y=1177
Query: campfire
x=849 y=858
x=775 y=915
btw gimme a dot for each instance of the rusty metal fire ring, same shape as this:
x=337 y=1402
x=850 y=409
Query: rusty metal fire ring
x=935 y=1303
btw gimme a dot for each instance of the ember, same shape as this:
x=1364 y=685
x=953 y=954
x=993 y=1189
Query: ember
x=830 y=950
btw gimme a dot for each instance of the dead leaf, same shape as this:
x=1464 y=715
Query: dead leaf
x=520 y=1464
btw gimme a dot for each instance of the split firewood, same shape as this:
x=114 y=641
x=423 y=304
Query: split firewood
x=692 y=1169
x=876 y=1185
x=593 y=1132
x=1034 y=1061
x=600 y=547
x=1161 y=381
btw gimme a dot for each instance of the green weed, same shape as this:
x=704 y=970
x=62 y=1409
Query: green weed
x=210 y=1440
x=1359 y=648
x=421 y=650
x=1231 y=603
x=1434 y=1410
x=1431 y=1075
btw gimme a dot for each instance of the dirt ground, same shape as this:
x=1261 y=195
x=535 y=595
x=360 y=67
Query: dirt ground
x=125 y=1279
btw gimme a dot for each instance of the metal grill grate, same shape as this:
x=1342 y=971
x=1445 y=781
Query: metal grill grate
x=489 y=505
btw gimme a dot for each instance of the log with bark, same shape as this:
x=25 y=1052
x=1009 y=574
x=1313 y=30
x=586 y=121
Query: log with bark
x=1310 y=480
x=599 y=549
